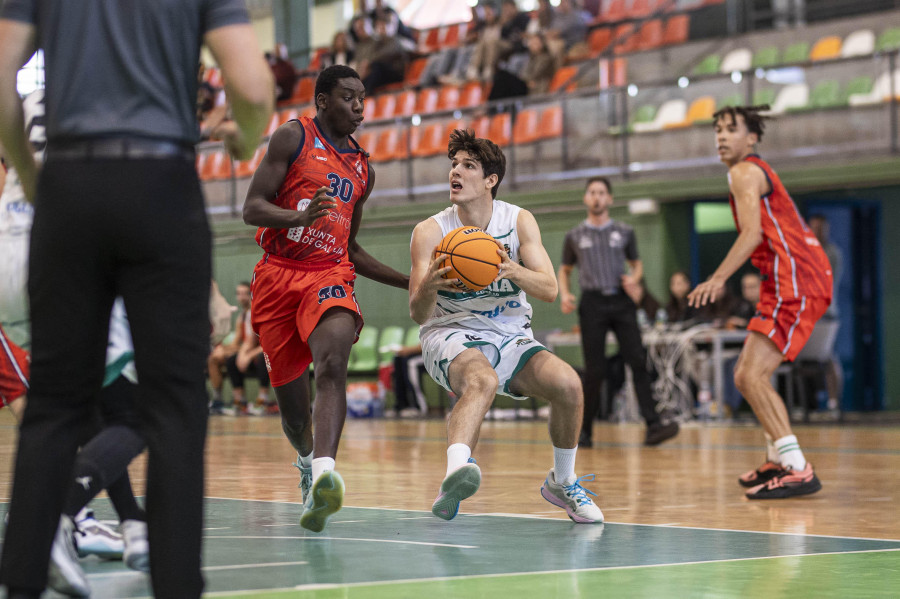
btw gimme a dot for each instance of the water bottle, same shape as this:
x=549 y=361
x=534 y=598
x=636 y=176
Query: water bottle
x=661 y=318
x=642 y=318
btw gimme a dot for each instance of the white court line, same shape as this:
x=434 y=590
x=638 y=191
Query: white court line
x=346 y=521
x=205 y=569
x=218 y=528
x=278 y=525
x=320 y=586
x=415 y=518
x=343 y=539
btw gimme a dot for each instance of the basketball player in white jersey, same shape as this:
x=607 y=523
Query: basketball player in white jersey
x=478 y=344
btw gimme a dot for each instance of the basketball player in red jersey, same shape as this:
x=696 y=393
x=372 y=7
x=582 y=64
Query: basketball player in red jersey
x=796 y=291
x=306 y=197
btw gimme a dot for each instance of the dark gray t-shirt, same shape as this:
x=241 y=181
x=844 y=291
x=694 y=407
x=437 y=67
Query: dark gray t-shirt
x=600 y=254
x=123 y=67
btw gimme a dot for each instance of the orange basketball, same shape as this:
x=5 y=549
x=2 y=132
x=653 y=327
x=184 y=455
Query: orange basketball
x=473 y=257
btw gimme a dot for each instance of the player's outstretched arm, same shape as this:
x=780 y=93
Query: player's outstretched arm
x=535 y=275
x=259 y=209
x=365 y=264
x=426 y=275
x=748 y=184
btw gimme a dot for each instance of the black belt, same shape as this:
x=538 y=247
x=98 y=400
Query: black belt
x=118 y=148
x=605 y=293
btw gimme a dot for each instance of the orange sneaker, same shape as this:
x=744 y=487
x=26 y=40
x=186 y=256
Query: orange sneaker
x=788 y=483
x=761 y=475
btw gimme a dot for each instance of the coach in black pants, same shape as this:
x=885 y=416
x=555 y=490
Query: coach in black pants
x=601 y=248
x=119 y=211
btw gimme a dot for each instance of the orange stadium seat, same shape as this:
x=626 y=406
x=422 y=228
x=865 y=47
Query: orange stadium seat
x=426 y=102
x=651 y=35
x=366 y=141
x=551 y=123
x=525 y=129
x=449 y=128
x=616 y=10
x=315 y=62
x=500 y=129
x=427 y=141
x=480 y=125
x=453 y=35
x=406 y=103
x=471 y=95
x=216 y=167
x=677 y=30
x=385 y=106
x=430 y=42
x=200 y=163
x=414 y=71
x=826 y=48
x=564 y=77
x=246 y=168
x=699 y=111
x=369 y=108
x=448 y=98
x=303 y=91
x=598 y=41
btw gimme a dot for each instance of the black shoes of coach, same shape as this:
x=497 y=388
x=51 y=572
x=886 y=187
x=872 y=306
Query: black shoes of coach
x=584 y=440
x=659 y=432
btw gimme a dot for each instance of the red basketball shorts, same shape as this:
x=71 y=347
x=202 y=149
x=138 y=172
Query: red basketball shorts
x=289 y=299
x=787 y=322
x=13 y=370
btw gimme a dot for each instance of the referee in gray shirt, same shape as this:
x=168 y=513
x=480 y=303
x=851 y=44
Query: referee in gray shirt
x=119 y=211
x=601 y=248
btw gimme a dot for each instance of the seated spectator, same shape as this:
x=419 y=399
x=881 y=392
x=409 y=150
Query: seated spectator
x=221 y=352
x=535 y=77
x=381 y=59
x=341 y=51
x=745 y=308
x=394 y=27
x=568 y=29
x=719 y=310
x=677 y=310
x=647 y=306
x=541 y=18
x=250 y=360
x=407 y=379
x=283 y=71
x=501 y=36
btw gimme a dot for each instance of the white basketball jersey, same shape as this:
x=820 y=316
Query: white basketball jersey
x=502 y=305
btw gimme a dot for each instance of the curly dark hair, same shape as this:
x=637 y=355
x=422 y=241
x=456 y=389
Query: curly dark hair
x=328 y=78
x=755 y=121
x=487 y=153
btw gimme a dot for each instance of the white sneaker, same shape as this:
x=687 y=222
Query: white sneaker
x=572 y=498
x=324 y=499
x=65 y=574
x=137 y=548
x=305 y=481
x=92 y=537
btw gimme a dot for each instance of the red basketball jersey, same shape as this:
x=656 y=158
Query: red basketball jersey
x=318 y=164
x=790 y=258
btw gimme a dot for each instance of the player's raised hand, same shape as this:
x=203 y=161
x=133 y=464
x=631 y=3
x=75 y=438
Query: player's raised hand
x=706 y=292
x=318 y=207
x=506 y=267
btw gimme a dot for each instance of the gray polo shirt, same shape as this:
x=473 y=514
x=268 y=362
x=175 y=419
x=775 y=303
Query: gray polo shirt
x=123 y=67
x=600 y=254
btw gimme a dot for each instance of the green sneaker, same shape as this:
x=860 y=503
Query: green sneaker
x=324 y=499
x=305 y=480
x=458 y=485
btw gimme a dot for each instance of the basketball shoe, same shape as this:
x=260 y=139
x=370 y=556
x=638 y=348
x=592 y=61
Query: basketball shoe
x=761 y=475
x=458 y=485
x=137 y=549
x=92 y=537
x=65 y=574
x=572 y=498
x=787 y=483
x=325 y=498
x=305 y=480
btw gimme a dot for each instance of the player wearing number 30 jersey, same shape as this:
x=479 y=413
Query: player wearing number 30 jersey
x=306 y=197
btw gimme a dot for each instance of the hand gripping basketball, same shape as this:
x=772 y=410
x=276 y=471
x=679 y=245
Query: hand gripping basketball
x=472 y=257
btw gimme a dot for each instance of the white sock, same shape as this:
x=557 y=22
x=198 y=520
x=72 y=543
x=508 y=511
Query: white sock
x=771 y=452
x=305 y=460
x=458 y=456
x=564 y=465
x=789 y=452
x=320 y=465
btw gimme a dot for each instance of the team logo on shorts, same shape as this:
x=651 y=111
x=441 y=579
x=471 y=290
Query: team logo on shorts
x=521 y=342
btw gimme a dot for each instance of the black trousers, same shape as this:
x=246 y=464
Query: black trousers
x=256 y=368
x=598 y=314
x=135 y=228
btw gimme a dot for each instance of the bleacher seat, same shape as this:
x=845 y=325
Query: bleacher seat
x=500 y=129
x=200 y=163
x=795 y=95
x=364 y=353
x=888 y=40
x=700 y=111
x=303 y=91
x=671 y=111
x=526 y=125
x=390 y=341
x=598 y=40
x=797 y=52
x=861 y=85
x=448 y=98
x=385 y=106
x=480 y=125
x=430 y=41
x=426 y=101
x=564 y=77
x=427 y=140
x=730 y=100
x=369 y=109
x=406 y=103
x=550 y=124
x=650 y=35
x=216 y=167
x=677 y=30
x=412 y=336
x=246 y=168
x=708 y=66
x=880 y=92
x=766 y=57
x=825 y=94
x=764 y=95
x=826 y=48
x=739 y=59
x=366 y=141
x=859 y=43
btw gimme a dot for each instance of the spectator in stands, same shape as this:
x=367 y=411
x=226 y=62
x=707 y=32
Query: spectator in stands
x=569 y=27
x=250 y=359
x=394 y=27
x=381 y=58
x=541 y=18
x=223 y=351
x=745 y=307
x=283 y=71
x=647 y=306
x=718 y=312
x=784 y=10
x=677 y=310
x=341 y=51
x=535 y=76
x=501 y=37
x=409 y=367
x=212 y=106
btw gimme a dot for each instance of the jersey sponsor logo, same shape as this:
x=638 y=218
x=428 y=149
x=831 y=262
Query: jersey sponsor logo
x=332 y=292
x=615 y=239
x=318 y=144
x=322 y=158
x=585 y=243
x=473 y=338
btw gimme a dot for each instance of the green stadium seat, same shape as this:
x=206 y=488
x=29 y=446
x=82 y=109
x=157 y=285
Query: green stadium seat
x=732 y=100
x=708 y=66
x=858 y=85
x=412 y=336
x=764 y=96
x=888 y=40
x=826 y=94
x=798 y=52
x=364 y=353
x=766 y=57
x=391 y=340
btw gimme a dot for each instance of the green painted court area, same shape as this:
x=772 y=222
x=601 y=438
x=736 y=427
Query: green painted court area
x=257 y=549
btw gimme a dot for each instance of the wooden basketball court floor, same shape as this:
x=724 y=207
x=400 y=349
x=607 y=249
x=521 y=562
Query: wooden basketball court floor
x=677 y=524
